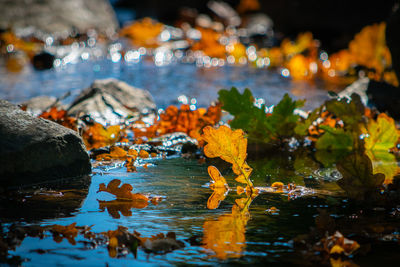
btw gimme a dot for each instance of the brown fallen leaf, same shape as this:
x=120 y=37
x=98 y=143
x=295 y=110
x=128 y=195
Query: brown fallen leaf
x=122 y=193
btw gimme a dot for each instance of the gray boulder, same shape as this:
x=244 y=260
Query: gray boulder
x=110 y=101
x=57 y=17
x=35 y=150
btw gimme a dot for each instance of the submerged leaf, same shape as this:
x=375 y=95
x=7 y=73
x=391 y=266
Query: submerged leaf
x=358 y=179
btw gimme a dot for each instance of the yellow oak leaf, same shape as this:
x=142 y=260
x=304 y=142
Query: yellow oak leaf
x=381 y=134
x=229 y=145
x=243 y=177
x=218 y=181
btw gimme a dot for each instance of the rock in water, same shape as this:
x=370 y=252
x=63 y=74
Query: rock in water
x=35 y=150
x=110 y=101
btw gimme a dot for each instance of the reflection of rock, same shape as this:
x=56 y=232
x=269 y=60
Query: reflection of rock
x=57 y=17
x=34 y=150
x=65 y=198
x=110 y=101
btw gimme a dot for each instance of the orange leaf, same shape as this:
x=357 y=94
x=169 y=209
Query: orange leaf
x=143 y=154
x=216 y=197
x=117 y=152
x=97 y=136
x=218 y=181
x=123 y=193
x=239 y=190
x=229 y=145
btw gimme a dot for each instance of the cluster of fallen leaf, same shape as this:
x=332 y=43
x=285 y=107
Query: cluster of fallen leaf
x=119 y=242
x=172 y=120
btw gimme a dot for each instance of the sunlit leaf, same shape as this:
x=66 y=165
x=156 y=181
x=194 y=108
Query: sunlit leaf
x=381 y=134
x=97 y=136
x=226 y=144
x=60 y=116
x=230 y=146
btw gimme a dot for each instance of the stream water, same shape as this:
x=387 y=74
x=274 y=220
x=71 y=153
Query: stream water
x=211 y=237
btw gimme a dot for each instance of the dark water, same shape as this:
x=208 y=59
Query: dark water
x=220 y=237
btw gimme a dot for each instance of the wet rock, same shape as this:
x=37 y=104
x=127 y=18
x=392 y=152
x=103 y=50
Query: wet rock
x=358 y=87
x=225 y=13
x=57 y=17
x=383 y=96
x=258 y=24
x=110 y=101
x=35 y=150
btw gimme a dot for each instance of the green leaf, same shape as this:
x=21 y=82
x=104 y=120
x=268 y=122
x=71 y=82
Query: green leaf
x=350 y=112
x=301 y=128
x=247 y=117
x=254 y=120
x=283 y=121
x=334 y=139
x=381 y=135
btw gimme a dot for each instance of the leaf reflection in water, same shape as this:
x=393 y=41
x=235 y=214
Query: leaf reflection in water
x=225 y=237
x=115 y=207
